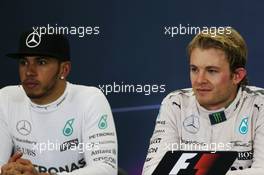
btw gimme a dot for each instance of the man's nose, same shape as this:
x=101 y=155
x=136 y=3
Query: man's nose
x=31 y=70
x=201 y=77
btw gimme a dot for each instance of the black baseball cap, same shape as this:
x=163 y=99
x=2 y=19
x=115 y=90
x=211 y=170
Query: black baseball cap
x=34 y=44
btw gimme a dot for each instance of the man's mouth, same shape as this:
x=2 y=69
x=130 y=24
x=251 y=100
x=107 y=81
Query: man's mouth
x=30 y=83
x=203 y=90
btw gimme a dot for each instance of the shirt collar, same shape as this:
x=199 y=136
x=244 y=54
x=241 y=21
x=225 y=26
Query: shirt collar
x=232 y=107
x=53 y=105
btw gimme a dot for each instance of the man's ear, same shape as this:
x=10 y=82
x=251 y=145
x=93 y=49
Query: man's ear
x=239 y=74
x=65 y=68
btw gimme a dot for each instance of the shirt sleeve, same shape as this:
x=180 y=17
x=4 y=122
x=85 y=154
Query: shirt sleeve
x=6 y=145
x=165 y=136
x=99 y=132
x=257 y=167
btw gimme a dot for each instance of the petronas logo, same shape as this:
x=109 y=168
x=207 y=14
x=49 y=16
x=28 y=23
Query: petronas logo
x=243 y=128
x=103 y=122
x=68 y=130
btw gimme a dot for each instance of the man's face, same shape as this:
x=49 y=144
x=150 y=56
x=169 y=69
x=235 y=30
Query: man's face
x=39 y=76
x=211 y=78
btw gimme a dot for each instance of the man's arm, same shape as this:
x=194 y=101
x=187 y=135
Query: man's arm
x=99 y=139
x=19 y=166
x=6 y=144
x=165 y=136
x=3 y=168
x=257 y=167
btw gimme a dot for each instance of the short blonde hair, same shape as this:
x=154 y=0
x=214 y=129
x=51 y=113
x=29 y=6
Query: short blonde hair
x=227 y=40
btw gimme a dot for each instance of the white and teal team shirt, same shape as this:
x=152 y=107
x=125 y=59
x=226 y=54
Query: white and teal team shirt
x=182 y=124
x=73 y=135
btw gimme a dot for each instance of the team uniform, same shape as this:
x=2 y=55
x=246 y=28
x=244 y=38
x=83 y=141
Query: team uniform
x=182 y=124
x=74 y=135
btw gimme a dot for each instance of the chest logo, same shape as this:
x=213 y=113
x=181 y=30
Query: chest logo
x=217 y=117
x=23 y=127
x=243 y=127
x=68 y=130
x=192 y=124
x=103 y=122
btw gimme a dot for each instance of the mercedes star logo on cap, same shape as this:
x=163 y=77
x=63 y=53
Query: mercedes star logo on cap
x=33 y=39
x=23 y=127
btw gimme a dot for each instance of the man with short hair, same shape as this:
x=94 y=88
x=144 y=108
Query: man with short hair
x=48 y=125
x=219 y=111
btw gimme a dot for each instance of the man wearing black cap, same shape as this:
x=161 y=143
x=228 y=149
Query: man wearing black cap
x=49 y=125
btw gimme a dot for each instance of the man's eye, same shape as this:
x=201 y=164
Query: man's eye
x=212 y=71
x=22 y=62
x=42 y=62
x=193 y=69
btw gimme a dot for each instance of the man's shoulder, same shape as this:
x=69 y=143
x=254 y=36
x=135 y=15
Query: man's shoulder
x=85 y=91
x=253 y=91
x=12 y=91
x=12 y=95
x=180 y=94
x=186 y=92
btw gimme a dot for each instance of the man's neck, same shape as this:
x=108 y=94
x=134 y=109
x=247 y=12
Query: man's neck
x=53 y=96
x=225 y=104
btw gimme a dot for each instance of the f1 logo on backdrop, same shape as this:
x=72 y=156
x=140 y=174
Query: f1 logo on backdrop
x=186 y=164
x=182 y=163
x=195 y=163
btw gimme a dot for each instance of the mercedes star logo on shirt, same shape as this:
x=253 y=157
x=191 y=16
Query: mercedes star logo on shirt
x=33 y=39
x=23 y=127
x=192 y=124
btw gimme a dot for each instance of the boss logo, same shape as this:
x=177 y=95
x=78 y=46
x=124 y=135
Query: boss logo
x=245 y=155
